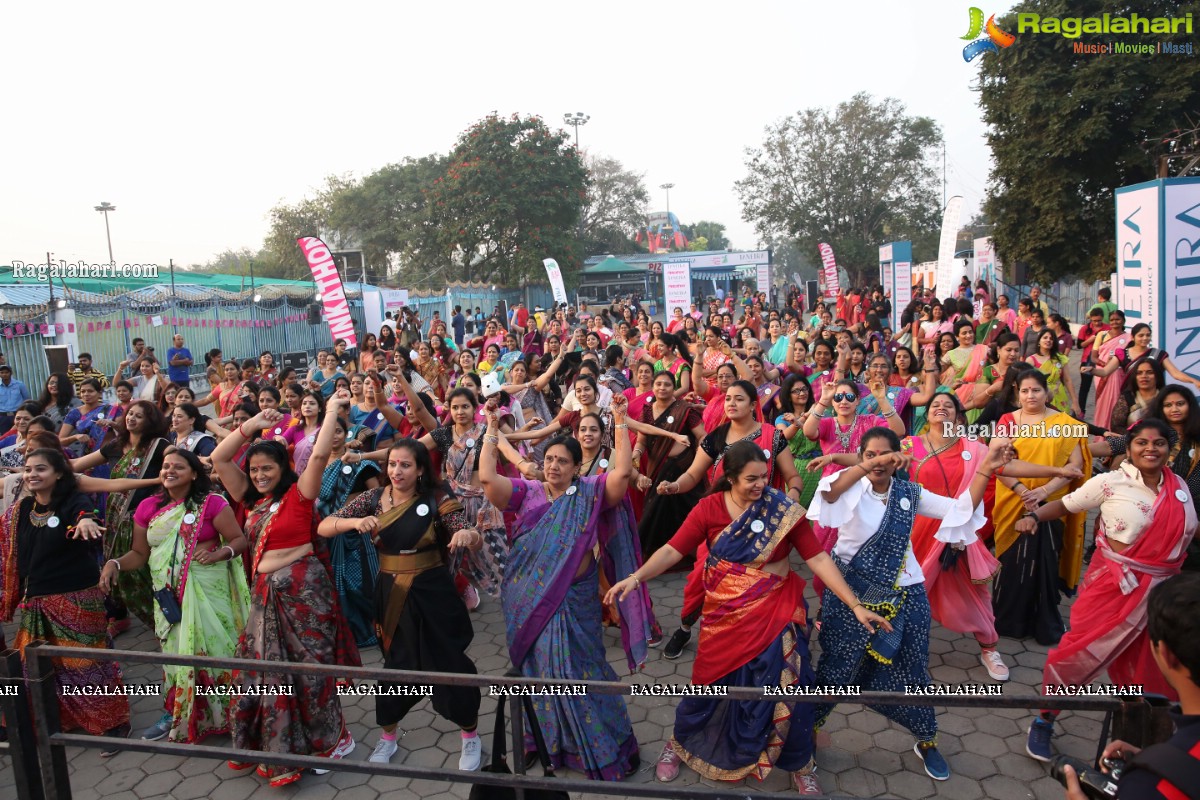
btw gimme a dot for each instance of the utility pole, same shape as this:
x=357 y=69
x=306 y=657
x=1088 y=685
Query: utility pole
x=104 y=208
x=944 y=174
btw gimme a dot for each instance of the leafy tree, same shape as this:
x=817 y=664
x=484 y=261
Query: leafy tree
x=1066 y=130
x=697 y=245
x=855 y=177
x=239 y=262
x=713 y=234
x=309 y=217
x=615 y=209
x=511 y=195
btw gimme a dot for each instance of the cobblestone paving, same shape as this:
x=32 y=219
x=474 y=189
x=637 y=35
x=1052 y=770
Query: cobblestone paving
x=869 y=756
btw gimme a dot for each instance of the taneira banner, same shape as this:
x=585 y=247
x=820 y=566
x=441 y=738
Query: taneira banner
x=556 y=280
x=333 y=294
x=829 y=264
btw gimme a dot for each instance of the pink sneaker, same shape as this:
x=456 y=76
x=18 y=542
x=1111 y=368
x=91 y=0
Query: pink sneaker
x=668 y=764
x=806 y=783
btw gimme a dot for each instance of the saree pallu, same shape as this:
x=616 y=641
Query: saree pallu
x=215 y=604
x=662 y=515
x=1110 y=612
x=1108 y=388
x=1053 y=368
x=533 y=404
x=898 y=396
x=351 y=554
x=553 y=620
x=959 y=597
x=294 y=617
x=752 y=635
x=880 y=661
x=968 y=372
x=95 y=433
x=77 y=619
x=1025 y=594
x=485 y=567
x=131 y=591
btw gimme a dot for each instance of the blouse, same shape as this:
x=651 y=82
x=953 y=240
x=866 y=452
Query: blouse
x=1123 y=498
x=710 y=517
x=211 y=508
x=48 y=560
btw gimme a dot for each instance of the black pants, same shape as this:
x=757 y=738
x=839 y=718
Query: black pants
x=1085 y=387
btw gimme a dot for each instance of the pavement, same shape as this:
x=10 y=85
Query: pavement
x=869 y=756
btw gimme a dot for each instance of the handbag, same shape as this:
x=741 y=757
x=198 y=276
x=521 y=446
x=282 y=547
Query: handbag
x=499 y=765
x=166 y=598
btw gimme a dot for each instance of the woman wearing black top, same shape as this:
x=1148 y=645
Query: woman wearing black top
x=1177 y=406
x=50 y=570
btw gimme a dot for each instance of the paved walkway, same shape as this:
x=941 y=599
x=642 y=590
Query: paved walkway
x=869 y=756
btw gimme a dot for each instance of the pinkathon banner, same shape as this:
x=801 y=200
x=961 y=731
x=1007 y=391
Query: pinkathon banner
x=831 y=271
x=333 y=294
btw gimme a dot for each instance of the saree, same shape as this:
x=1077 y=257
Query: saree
x=214 y=600
x=968 y=367
x=1108 y=388
x=351 y=554
x=553 y=621
x=131 y=591
x=879 y=661
x=1130 y=364
x=486 y=566
x=95 y=433
x=1033 y=566
x=663 y=514
x=898 y=396
x=752 y=634
x=803 y=450
x=1110 y=612
x=779 y=350
x=958 y=596
x=294 y=617
x=1053 y=368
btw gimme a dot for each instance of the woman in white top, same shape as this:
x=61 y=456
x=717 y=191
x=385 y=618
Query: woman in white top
x=874 y=515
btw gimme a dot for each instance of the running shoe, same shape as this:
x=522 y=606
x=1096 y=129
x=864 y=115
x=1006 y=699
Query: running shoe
x=159 y=729
x=806 y=783
x=1038 y=743
x=935 y=764
x=994 y=664
x=679 y=640
x=383 y=752
x=119 y=732
x=668 y=764
x=344 y=748
x=472 y=750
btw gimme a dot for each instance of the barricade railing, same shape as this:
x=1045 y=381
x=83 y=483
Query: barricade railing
x=52 y=741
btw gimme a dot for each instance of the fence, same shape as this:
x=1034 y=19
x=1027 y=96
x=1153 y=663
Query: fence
x=1071 y=299
x=44 y=763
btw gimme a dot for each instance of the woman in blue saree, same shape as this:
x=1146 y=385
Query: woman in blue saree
x=754 y=626
x=550 y=594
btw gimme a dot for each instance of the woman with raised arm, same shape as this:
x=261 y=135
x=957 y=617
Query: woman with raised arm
x=874 y=514
x=1110 y=367
x=1145 y=526
x=417 y=526
x=293 y=590
x=754 y=631
x=1033 y=568
x=49 y=569
x=190 y=539
x=550 y=588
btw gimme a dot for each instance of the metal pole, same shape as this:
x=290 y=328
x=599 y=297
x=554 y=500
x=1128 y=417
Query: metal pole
x=108 y=235
x=21 y=741
x=43 y=688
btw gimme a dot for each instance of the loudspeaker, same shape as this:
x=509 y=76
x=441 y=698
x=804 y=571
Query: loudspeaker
x=314 y=314
x=810 y=296
x=57 y=357
x=1020 y=276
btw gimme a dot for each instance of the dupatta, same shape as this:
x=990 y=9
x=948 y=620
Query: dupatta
x=745 y=607
x=674 y=420
x=971 y=373
x=550 y=544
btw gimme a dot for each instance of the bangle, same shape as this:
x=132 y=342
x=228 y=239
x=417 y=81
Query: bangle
x=232 y=555
x=115 y=561
x=987 y=475
x=860 y=466
x=856 y=605
x=242 y=432
x=888 y=414
x=929 y=370
x=491 y=439
x=636 y=580
x=622 y=426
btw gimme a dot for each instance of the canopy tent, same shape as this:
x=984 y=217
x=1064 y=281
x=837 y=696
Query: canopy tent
x=612 y=265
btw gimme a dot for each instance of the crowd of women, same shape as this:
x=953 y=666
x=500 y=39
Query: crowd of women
x=554 y=463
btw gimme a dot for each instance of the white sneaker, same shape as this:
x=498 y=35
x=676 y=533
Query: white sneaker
x=383 y=752
x=994 y=665
x=472 y=750
x=344 y=748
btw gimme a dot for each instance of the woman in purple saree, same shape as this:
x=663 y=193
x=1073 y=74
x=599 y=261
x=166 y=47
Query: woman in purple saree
x=550 y=595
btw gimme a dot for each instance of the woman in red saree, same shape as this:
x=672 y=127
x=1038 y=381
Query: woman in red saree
x=1146 y=523
x=753 y=633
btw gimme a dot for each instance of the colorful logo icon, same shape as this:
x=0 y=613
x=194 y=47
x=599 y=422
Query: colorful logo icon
x=996 y=38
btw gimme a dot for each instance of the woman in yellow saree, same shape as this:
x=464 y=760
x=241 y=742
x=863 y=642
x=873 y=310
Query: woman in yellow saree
x=1035 y=566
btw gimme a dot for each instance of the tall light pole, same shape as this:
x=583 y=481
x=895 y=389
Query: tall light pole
x=668 y=187
x=575 y=120
x=104 y=208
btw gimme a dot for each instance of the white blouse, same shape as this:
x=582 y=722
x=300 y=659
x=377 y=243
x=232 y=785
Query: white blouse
x=857 y=515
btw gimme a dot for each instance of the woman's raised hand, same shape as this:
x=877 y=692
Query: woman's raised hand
x=263 y=420
x=88 y=529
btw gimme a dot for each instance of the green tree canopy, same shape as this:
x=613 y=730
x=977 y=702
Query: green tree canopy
x=713 y=234
x=1066 y=130
x=854 y=177
x=615 y=208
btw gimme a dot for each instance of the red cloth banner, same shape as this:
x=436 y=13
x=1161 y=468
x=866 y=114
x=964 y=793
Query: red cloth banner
x=333 y=294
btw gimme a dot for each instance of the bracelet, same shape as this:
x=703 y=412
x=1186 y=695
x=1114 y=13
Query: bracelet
x=492 y=439
x=622 y=426
x=636 y=580
x=114 y=561
x=232 y=555
x=856 y=605
x=987 y=475
x=888 y=414
x=242 y=432
x=860 y=466
x=929 y=370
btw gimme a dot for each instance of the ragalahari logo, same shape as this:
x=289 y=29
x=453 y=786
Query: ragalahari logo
x=996 y=38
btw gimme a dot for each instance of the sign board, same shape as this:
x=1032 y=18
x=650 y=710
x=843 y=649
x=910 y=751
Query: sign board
x=333 y=294
x=985 y=261
x=763 y=278
x=811 y=297
x=394 y=299
x=895 y=275
x=1139 y=255
x=1180 y=272
x=830 y=270
x=730 y=259
x=677 y=285
x=297 y=361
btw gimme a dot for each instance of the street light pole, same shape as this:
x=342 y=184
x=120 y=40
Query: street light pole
x=104 y=208
x=668 y=187
x=575 y=120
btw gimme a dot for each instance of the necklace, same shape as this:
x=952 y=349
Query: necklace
x=39 y=517
x=844 y=437
x=881 y=496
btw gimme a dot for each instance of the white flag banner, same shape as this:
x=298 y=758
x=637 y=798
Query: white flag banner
x=948 y=275
x=556 y=280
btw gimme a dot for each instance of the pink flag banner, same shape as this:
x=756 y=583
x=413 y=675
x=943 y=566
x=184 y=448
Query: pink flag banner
x=333 y=294
x=829 y=265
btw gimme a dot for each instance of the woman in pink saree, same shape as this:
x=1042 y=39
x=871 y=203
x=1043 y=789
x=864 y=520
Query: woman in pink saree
x=1108 y=389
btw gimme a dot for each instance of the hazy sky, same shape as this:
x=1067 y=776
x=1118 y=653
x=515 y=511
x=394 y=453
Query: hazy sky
x=195 y=120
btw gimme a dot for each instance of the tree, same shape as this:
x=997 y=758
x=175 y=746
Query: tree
x=510 y=196
x=1067 y=130
x=615 y=208
x=713 y=234
x=309 y=217
x=239 y=262
x=855 y=178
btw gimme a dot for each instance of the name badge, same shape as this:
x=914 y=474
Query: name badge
x=312 y=439
x=274 y=507
x=346 y=470
x=604 y=463
x=470 y=442
x=905 y=503
x=422 y=510
x=279 y=431
x=966 y=456
x=572 y=489
x=767 y=453
x=1192 y=453
x=189 y=519
x=1180 y=495
x=757 y=526
x=670 y=420
x=891 y=395
x=52 y=522
x=137 y=461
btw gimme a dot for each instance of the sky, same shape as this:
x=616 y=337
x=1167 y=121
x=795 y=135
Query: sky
x=195 y=120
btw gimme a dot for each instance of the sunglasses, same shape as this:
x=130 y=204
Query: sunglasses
x=841 y=397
